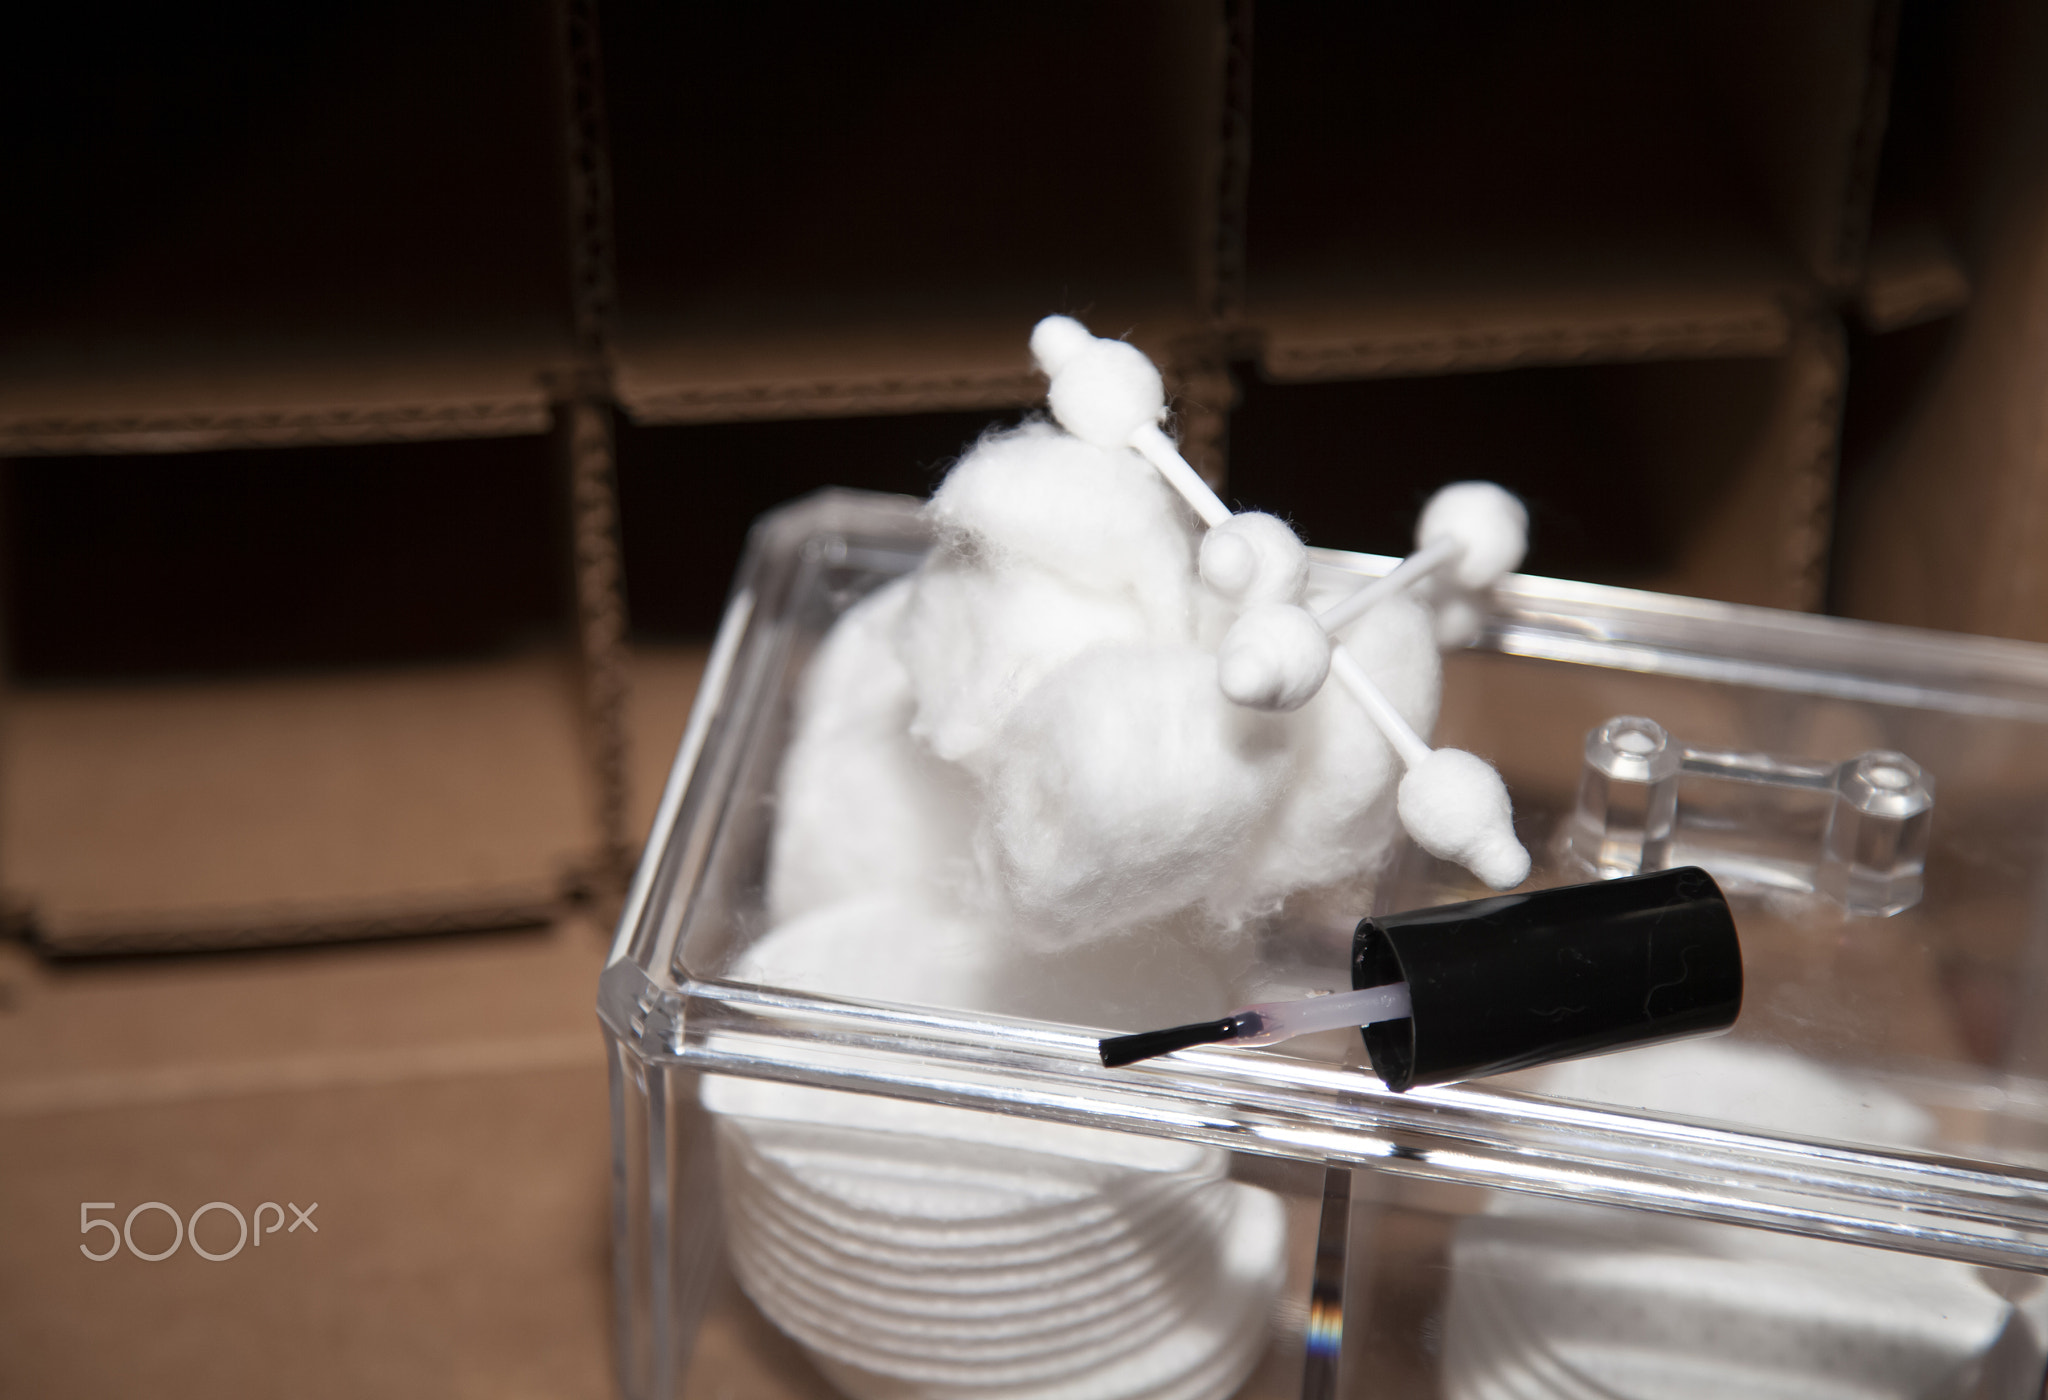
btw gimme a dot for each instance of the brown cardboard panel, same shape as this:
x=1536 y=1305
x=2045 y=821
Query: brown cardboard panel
x=281 y=227
x=1374 y=312
x=892 y=351
x=1761 y=510
x=763 y=362
x=1804 y=89
x=1949 y=529
x=1912 y=276
x=1691 y=476
x=444 y=1103
x=104 y=1034
x=293 y=799
x=461 y=1246
x=1454 y=186
x=832 y=212
x=164 y=394
x=664 y=688
x=280 y=810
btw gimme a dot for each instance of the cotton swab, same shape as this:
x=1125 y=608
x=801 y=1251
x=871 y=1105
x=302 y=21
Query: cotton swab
x=1475 y=530
x=1267 y=1023
x=1108 y=393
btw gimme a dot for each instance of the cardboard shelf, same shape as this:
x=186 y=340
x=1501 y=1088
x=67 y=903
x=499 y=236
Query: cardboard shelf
x=288 y=230
x=239 y=810
x=1705 y=477
x=291 y=809
x=250 y=388
x=1392 y=313
x=895 y=354
x=826 y=213
x=1451 y=187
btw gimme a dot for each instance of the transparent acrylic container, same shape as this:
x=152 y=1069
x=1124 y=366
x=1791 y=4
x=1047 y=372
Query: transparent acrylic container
x=1846 y=1195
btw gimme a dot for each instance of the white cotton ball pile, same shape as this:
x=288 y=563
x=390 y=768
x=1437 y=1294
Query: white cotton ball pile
x=1046 y=547
x=863 y=808
x=1084 y=716
x=1124 y=788
x=1049 y=716
x=1275 y=657
x=1099 y=521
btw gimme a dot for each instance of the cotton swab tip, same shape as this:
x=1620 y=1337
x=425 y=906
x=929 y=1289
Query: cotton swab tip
x=1275 y=657
x=1253 y=557
x=1487 y=521
x=1456 y=807
x=1105 y=392
x=1056 y=341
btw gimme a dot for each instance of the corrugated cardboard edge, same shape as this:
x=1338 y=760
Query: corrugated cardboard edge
x=828 y=398
x=528 y=904
x=1449 y=352
x=274 y=427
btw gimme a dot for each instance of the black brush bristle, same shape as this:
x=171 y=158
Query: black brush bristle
x=1120 y=1050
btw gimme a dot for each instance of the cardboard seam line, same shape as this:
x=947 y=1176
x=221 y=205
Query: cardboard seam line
x=823 y=398
x=363 y=1069
x=526 y=905
x=1754 y=336
x=280 y=428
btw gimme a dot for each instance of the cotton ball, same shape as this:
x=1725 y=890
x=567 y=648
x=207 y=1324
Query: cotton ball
x=1456 y=807
x=976 y=640
x=1125 y=788
x=860 y=806
x=1099 y=520
x=1255 y=558
x=1106 y=391
x=1490 y=523
x=1275 y=657
x=1055 y=341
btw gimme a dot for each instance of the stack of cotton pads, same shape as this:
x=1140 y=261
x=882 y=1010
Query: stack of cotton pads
x=919 y=1250
x=1556 y=1300
x=1553 y=1299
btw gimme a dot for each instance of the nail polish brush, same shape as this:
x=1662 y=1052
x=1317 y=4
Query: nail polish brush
x=1461 y=991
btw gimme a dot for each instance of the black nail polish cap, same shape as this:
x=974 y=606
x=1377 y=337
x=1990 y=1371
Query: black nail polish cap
x=1525 y=979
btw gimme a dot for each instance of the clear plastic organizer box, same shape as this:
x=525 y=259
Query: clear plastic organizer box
x=1846 y=1195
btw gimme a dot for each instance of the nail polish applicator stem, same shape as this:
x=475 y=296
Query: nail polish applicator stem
x=1462 y=991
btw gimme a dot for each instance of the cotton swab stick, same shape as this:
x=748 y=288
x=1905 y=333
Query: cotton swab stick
x=1455 y=806
x=1267 y=1023
x=1475 y=529
x=1158 y=449
x=1409 y=572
